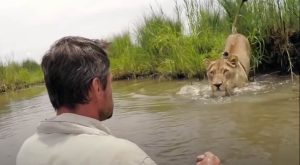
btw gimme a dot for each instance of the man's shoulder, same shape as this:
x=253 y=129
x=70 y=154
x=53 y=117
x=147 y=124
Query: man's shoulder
x=122 y=150
x=107 y=148
x=81 y=139
x=28 y=145
x=31 y=139
x=112 y=141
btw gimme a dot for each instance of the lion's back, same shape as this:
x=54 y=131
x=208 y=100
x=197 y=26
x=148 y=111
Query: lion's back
x=239 y=45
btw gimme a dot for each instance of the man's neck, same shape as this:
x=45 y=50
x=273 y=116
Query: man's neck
x=80 y=109
x=62 y=110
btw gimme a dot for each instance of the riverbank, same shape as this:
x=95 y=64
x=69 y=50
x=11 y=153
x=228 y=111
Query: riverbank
x=163 y=47
x=15 y=76
x=166 y=47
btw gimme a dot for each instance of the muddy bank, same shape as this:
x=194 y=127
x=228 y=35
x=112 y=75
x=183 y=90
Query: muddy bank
x=4 y=88
x=282 y=52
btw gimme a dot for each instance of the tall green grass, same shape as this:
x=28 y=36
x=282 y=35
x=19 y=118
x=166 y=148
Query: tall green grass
x=268 y=25
x=127 y=59
x=162 y=46
x=15 y=75
x=164 y=49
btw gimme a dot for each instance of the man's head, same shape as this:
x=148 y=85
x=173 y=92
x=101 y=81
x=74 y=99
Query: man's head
x=76 y=72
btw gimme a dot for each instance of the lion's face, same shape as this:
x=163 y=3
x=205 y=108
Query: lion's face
x=221 y=75
x=232 y=69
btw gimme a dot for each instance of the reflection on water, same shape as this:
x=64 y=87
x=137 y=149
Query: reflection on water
x=173 y=121
x=20 y=113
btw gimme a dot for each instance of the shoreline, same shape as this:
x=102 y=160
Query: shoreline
x=150 y=77
x=13 y=88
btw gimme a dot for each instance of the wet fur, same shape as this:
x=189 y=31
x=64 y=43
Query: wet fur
x=232 y=69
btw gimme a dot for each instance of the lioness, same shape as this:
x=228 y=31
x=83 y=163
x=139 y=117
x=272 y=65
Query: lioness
x=232 y=69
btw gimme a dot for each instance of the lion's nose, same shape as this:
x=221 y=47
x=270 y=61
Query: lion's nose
x=218 y=85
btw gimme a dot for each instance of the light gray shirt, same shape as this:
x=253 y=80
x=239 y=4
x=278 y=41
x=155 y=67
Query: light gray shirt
x=78 y=140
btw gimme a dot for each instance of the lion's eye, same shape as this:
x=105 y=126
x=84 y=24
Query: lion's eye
x=211 y=72
x=225 y=71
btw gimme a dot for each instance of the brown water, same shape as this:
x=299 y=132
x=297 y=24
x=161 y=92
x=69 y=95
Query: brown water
x=174 y=121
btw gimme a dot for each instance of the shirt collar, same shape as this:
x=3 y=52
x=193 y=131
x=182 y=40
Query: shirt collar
x=71 y=123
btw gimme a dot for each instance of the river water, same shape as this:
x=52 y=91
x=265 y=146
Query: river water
x=174 y=121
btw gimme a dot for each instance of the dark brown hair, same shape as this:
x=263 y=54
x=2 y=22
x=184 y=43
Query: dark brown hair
x=69 y=67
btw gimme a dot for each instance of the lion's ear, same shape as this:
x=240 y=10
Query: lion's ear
x=233 y=60
x=225 y=55
x=206 y=62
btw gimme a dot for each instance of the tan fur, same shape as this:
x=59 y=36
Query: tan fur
x=233 y=68
x=230 y=71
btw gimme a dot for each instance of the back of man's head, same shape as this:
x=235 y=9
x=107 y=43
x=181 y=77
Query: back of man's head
x=69 y=66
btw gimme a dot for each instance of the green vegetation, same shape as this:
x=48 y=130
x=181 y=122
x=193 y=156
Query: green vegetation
x=19 y=75
x=273 y=27
x=162 y=46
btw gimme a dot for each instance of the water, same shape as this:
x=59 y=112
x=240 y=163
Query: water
x=174 y=121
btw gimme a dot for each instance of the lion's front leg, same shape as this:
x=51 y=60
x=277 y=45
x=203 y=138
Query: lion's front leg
x=228 y=90
x=212 y=91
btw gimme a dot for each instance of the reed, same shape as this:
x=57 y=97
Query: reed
x=15 y=75
x=163 y=47
x=269 y=25
x=127 y=59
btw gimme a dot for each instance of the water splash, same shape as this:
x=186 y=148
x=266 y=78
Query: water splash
x=199 y=89
x=253 y=87
x=202 y=92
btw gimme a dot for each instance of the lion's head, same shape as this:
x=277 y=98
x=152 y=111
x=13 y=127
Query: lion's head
x=224 y=74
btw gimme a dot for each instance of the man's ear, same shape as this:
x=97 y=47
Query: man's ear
x=96 y=85
x=233 y=60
